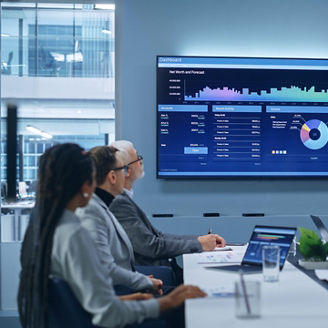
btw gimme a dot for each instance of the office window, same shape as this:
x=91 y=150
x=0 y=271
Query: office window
x=57 y=66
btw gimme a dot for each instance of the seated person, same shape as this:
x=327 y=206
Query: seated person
x=115 y=249
x=56 y=245
x=151 y=246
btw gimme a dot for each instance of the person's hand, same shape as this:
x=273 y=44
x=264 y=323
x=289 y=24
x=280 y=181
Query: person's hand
x=179 y=295
x=136 y=297
x=220 y=242
x=208 y=242
x=157 y=286
x=211 y=241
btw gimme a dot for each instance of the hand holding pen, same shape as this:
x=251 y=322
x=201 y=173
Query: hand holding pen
x=210 y=241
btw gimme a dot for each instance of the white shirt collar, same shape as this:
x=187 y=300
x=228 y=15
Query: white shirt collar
x=129 y=192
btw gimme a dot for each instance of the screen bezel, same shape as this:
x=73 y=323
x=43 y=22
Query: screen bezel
x=321 y=227
x=257 y=176
x=266 y=227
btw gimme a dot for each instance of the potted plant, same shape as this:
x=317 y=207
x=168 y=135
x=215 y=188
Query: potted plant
x=313 y=250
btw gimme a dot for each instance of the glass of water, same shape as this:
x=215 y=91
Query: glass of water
x=271 y=263
x=248 y=299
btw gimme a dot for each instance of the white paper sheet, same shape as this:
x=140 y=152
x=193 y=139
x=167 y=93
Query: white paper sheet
x=232 y=256
x=321 y=274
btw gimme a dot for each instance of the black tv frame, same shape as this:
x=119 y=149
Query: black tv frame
x=230 y=177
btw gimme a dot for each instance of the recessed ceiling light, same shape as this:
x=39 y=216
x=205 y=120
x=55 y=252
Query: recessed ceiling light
x=105 y=6
x=38 y=131
x=106 y=31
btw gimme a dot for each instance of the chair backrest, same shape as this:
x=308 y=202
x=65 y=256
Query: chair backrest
x=65 y=311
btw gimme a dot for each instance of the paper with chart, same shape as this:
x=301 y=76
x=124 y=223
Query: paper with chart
x=233 y=256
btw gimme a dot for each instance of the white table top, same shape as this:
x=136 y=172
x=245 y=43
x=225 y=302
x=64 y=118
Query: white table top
x=295 y=301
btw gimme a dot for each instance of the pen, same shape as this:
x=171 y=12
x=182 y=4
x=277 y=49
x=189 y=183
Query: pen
x=209 y=231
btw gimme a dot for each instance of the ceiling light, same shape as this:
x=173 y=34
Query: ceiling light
x=106 y=31
x=38 y=131
x=104 y=6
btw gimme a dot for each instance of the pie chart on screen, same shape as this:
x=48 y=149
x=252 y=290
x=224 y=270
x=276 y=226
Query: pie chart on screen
x=314 y=134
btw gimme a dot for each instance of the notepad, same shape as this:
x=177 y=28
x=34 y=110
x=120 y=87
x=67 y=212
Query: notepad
x=220 y=257
x=218 y=291
x=222 y=249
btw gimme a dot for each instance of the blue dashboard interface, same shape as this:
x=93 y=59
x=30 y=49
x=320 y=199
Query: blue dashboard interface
x=262 y=236
x=241 y=117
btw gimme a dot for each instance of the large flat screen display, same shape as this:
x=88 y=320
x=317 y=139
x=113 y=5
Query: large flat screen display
x=226 y=117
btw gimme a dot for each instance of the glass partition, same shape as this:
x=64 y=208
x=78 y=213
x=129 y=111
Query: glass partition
x=57 y=67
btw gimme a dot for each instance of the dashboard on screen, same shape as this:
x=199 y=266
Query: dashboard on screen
x=225 y=117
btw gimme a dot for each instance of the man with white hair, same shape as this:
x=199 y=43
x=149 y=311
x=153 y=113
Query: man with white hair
x=151 y=246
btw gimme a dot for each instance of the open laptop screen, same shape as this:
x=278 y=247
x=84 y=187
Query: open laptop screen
x=264 y=235
x=321 y=227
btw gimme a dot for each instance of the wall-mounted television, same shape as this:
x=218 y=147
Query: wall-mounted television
x=237 y=117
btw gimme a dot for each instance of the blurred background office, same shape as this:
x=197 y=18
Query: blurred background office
x=58 y=67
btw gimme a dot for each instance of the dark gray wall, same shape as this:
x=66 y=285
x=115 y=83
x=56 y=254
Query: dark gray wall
x=144 y=29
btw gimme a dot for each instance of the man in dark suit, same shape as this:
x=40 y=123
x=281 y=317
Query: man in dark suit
x=151 y=246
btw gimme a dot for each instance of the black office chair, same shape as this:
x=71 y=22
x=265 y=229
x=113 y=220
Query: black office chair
x=65 y=311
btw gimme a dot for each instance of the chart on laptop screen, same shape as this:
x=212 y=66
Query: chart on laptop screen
x=281 y=237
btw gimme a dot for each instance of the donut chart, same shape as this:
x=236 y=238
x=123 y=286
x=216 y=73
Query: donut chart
x=314 y=134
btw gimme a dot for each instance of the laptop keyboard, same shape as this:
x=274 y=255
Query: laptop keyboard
x=237 y=268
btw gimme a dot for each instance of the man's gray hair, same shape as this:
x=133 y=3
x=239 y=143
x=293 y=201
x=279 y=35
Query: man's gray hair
x=124 y=146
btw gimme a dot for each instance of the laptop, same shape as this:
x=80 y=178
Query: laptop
x=261 y=236
x=321 y=227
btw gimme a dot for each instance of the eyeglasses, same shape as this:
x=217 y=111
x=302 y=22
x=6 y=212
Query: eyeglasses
x=137 y=160
x=124 y=167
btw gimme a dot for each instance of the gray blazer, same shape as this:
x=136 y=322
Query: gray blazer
x=75 y=259
x=113 y=244
x=151 y=246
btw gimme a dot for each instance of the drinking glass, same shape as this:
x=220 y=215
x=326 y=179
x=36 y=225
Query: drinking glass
x=248 y=299
x=271 y=263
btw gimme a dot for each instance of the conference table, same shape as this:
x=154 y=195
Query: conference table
x=295 y=300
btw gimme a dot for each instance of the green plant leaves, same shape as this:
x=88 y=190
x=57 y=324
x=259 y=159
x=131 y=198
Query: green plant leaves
x=311 y=246
x=325 y=246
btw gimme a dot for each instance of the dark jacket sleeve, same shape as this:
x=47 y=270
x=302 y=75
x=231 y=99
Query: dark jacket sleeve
x=146 y=240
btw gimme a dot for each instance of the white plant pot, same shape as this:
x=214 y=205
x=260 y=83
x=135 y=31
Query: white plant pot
x=313 y=265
